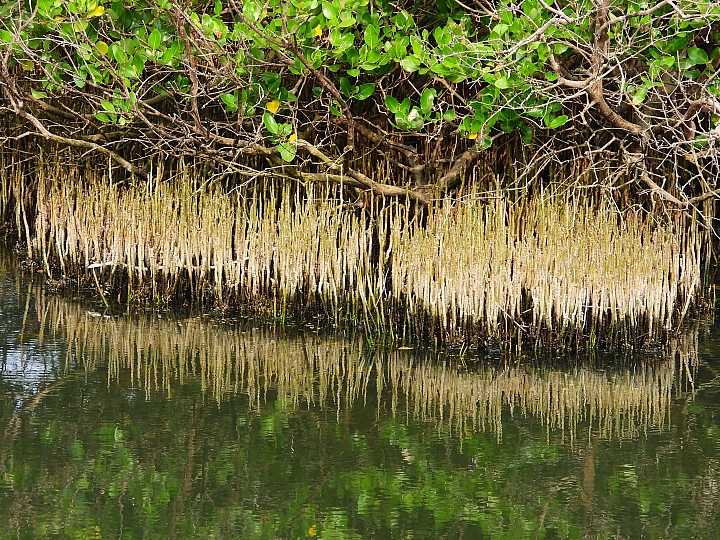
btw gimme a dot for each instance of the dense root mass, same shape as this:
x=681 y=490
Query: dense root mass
x=566 y=269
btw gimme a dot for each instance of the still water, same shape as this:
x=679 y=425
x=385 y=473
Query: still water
x=127 y=426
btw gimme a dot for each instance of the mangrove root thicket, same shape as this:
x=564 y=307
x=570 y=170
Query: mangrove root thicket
x=549 y=269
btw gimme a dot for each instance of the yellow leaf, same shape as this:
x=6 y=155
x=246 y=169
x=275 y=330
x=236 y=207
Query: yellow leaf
x=58 y=19
x=472 y=135
x=102 y=47
x=318 y=31
x=292 y=137
x=97 y=12
x=273 y=106
x=27 y=65
x=312 y=531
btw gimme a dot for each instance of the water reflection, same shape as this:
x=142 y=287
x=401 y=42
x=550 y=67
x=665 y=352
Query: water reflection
x=310 y=370
x=137 y=427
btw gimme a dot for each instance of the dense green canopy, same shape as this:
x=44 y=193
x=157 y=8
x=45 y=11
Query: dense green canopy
x=333 y=90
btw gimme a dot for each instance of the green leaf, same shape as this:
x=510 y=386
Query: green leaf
x=287 y=151
x=231 y=101
x=372 y=36
x=526 y=134
x=103 y=117
x=427 y=100
x=270 y=123
x=415 y=120
x=155 y=39
x=352 y=57
x=502 y=83
x=499 y=30
x=169 y=54
x=107 y=105
x=365 y=91
x=330 y=11
x=37 y=94
x=410 y=64
x=347 y=88
x=392 y=104
x=341 y=41
x=251 y=10
x=118 y=53
x=6 y=36
x=334 y=110
x=449 y=115
x=441 y=36
x=698 y=56
x=346 y=20
x=639 y=96
x=677 y=43
x=558 y=121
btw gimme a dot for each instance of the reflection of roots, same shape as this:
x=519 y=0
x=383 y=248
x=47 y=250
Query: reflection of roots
x=312 y=371
x=13 y=426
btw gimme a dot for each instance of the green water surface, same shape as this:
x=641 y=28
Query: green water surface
x=107 y=431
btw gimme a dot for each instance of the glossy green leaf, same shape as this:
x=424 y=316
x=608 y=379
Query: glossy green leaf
x=410 y=64
x=230 y=101
x=251 y=10
x=330 y=11
x=341 y=40
x=639 y=96
x=427 y=100
x=365 y=91
x=676 y=43
x=502 y=83
x=270 y=123
x=37 y=94
x=558 y=121
x=155 y=39
x=287 y=151
x=346 y=87
x=698 y=56
x=107 y=105
x=392 y=104
x=372 y=36
x=526 y=134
